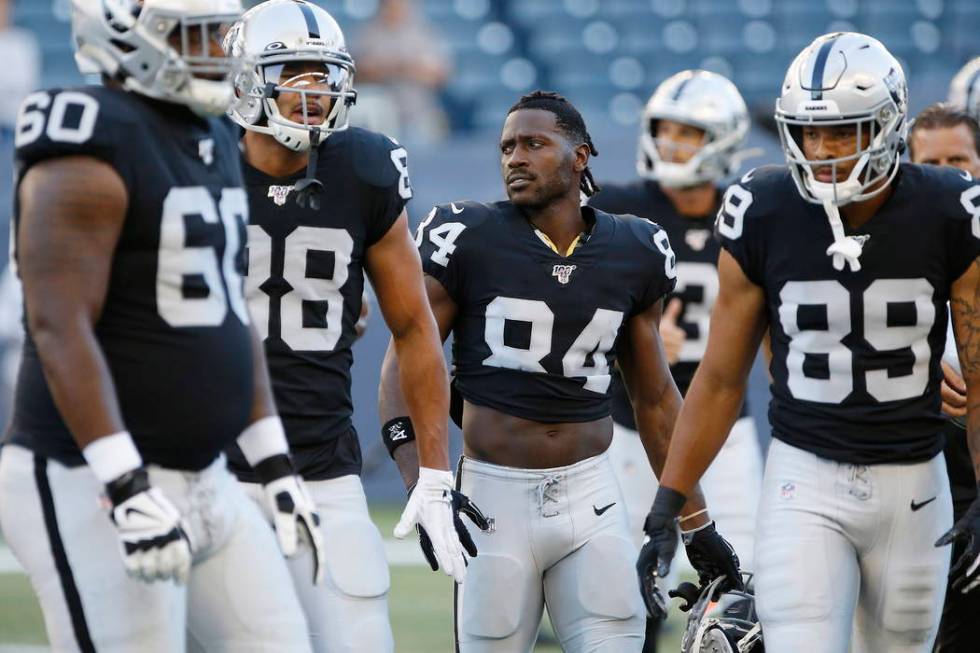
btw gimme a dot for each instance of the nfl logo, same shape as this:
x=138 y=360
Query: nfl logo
x=563 y=273
x=205 y=150
x=696 y=239
x=279 y=194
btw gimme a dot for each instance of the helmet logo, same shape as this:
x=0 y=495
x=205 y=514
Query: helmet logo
x=276 y=45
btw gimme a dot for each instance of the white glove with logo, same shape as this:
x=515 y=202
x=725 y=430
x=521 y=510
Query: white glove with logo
x=154 y=545
x=293 y=513
x=430 y=506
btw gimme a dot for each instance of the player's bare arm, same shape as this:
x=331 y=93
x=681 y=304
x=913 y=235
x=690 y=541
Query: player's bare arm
x=396 y=273
x=391 y=399
x=655 y=398
x=711 y=407
x=65 y=249
x=965 y=305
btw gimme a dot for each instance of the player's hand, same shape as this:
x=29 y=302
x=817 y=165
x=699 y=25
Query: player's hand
x=461 y=504
x=712 y=556
x=431 y=507
x=953 y=392
x=965 y=574
x=672 y=335
x=293 y=512
x=659 y=546
x=153 y=543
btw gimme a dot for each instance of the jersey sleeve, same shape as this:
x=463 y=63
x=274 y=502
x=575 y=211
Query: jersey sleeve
x=661 y=265
x=383 y=165
x=736 y=226
x=963 y=225
x=439 y=238
x=59 y=123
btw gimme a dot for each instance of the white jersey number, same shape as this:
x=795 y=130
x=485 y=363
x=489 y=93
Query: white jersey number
x=697 y=314
x=305 y=289
x=177 y=260
x=835 y=299
x=31 y=122
x=595 y=341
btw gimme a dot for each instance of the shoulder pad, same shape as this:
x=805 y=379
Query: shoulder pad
x=755 y=194
x=957 y=191
x=457 y=219
x=377 y=160
x=92 y=121
x=616 y=198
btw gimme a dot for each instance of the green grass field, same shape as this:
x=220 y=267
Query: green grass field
x=420 y=605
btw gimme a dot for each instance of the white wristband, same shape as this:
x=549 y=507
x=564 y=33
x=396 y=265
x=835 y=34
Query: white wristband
x=262 y=439
x=111 y=456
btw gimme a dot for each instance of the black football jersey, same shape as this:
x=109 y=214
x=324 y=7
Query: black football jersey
x=174 y=328
x=696 y=248
x=856 y=355
x=304 y=286
x=536 y=333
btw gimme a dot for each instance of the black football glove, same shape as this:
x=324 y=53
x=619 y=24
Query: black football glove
x=712 y=556
x=461 y=505
x=658 y=548
x=965 y=574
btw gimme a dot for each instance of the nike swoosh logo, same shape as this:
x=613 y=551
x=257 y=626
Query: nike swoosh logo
x=915 y=506
x=137 y=511
x=456 y=210
x=599 y=511
x=966 y=175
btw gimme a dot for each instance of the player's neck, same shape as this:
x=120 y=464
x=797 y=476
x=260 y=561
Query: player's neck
x=561 y=221
x=856 y=214
x=693 y=201
x=264 y=153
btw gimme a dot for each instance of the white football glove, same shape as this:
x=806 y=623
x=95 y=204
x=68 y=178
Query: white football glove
x=154 y=545
x=430 y=506
x=292 y=510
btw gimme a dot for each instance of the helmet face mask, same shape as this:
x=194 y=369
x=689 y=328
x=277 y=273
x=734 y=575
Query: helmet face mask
x=707 y=102
x=723 y=622
x=964 y=89
x=295 y=65
x=844 y=80
x=164 y=49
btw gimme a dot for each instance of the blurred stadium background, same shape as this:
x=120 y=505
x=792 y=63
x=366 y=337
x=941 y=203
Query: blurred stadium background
x=606 y=56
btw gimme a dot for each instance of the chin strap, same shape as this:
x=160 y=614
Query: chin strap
x=308 y=190
x=844 y=248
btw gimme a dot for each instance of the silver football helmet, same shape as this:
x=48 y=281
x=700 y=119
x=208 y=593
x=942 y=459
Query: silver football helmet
x=160 y=48
x=705 y=100
x=277 y=35
x=844 y=79
x=964 y=90
x=720 y=622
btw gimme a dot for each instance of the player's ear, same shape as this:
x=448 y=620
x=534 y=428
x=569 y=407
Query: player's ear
x=581 y=157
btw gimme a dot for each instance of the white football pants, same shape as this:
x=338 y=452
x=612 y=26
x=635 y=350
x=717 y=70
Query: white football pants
x=348 y=612
x=239 y=596
x=840 y=544
x=731 y=487
x=560 y=537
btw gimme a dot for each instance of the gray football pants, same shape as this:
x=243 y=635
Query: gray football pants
x=348 y=612
x=239 y=596
x=842 y=558
x=560 y=538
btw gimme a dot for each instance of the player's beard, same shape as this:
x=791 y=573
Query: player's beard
x=546 y=190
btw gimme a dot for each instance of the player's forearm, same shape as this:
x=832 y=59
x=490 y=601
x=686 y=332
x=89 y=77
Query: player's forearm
x=79 y=378
x=391 y=404
x=263 y=401
x=707 y=416
x=424 y=383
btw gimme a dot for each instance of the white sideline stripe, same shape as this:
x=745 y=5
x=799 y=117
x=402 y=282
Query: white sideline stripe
x=400 y=553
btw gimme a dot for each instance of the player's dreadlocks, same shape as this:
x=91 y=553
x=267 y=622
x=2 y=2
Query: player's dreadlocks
x=569 y=121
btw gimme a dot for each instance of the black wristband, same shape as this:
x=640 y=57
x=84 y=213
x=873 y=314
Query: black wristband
x=274 y=467
x=668 y=502
x=397 y=432
x=128 y=485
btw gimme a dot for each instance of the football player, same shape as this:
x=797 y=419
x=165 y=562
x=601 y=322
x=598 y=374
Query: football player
x=543 y=296
x=691 y=135
x=848 y=257
x=964 y=89
x=943 y=135
x=327 y=204
x=140 y=364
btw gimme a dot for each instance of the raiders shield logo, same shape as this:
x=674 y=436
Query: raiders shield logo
x=563 y=273
x=279 y=194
